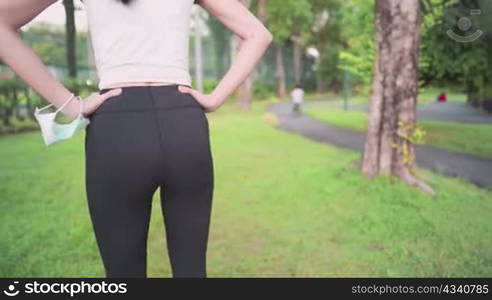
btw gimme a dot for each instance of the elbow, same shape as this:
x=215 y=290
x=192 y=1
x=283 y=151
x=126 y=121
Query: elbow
x=263 y=36
x=259 y=35
x=268 y=37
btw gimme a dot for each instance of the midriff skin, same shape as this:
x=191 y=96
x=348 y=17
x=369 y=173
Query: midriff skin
x=146 y=83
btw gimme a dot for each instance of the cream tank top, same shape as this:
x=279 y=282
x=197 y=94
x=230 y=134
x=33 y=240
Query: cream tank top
x=145 y=41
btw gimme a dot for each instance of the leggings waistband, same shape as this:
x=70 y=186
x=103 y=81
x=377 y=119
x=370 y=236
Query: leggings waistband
x=147 y=98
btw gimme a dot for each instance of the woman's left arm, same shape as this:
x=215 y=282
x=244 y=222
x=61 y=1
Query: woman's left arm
x=28 y=65
x=255 y=41
x=20 y=57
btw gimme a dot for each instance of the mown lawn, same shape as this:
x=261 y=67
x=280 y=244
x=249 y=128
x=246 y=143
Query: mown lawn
x=283 y=206
x=426 y=95
x=469 y=138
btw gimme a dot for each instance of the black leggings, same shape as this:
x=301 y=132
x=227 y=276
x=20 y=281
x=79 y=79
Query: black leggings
x=145 y=138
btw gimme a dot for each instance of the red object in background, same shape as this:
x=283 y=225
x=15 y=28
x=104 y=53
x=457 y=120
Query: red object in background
x=442 y=97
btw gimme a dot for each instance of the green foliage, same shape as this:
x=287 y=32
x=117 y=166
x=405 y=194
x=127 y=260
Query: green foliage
x=11 y=83
x=343 y=33
x=289 y=17
x=49 y=43
x=358 y=56
x=410 y=133
x=18 y=125
x=80 y=86
x=445 y=61
x=346 y=43
x=329 y=65
x=326 y=37
x=15 y=95
x=262 y=90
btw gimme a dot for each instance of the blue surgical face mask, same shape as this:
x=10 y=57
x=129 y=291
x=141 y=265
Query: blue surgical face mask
x=54 y=132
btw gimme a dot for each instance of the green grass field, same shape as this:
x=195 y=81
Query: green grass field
x=426 y=95
x=283 y=206
x=469 y=138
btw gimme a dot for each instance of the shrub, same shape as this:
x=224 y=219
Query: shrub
x=18 y=126
x=263 y=90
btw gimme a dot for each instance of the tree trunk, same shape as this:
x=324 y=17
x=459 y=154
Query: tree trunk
x=70 y=38
x=28 y=103
x=15 y=104
x=280 y=73
x=245 y=95
x=320 y=83
x=262 y=11
x=297 y=59
x=221 y=46
x=394 y=92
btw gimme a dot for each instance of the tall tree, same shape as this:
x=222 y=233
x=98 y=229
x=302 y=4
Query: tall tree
x=280 y=71
x=357 y=55
x=221 y=36
x=287 y=19
x=297 y=56
x=245 y=95
x=262 y=11
x=326 y=37
x=393 y=103
x=246 y=89
x=70 y=38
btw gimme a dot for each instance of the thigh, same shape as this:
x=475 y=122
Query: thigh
x=121 y=178
x=187 y=150
x=187 y=190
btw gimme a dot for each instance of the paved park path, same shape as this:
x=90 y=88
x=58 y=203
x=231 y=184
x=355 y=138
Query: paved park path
x=475 y=169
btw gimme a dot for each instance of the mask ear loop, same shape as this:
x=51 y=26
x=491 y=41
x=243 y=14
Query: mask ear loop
x=61 y=107
x=81 y=105
x=64 y=104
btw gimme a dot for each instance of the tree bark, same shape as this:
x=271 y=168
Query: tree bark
x=70 y=38
x=297 y=58
x=262 y=11
x=28 y=103
x=280 y=73
x=15 y=104
x=320 y=83
x=394 y=93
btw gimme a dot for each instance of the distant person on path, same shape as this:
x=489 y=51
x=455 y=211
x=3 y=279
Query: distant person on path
x=297 y=97
x=442 y=97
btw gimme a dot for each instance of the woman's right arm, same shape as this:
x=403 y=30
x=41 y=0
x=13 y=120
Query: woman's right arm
x=27 y=64
x=255 y=39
